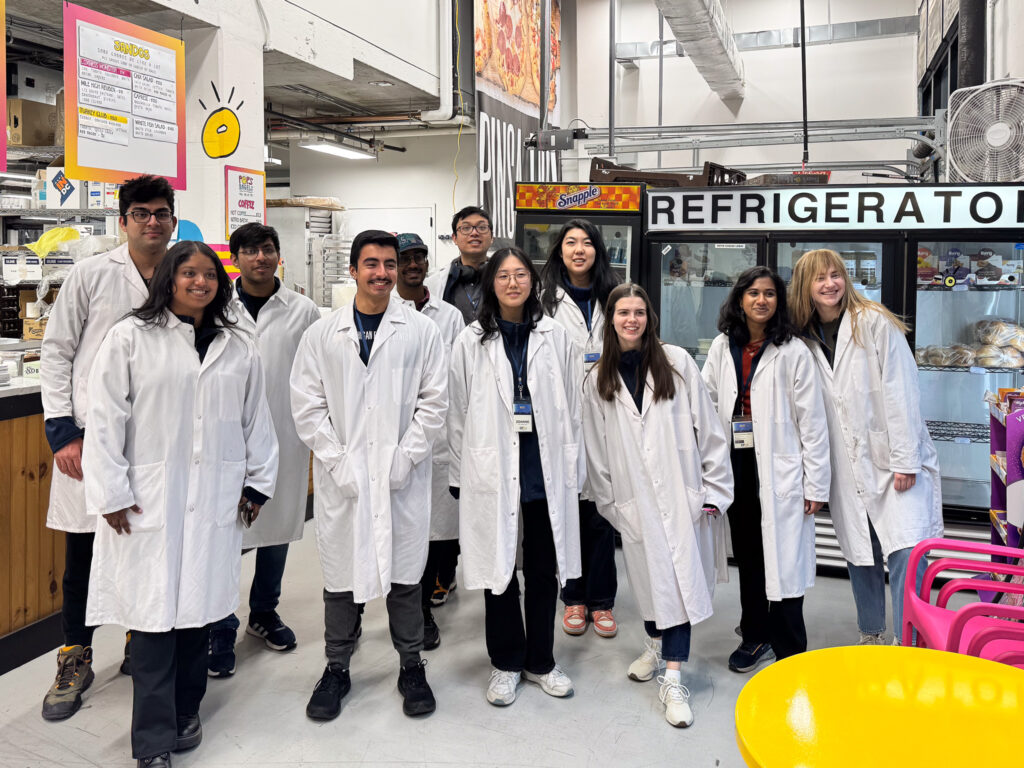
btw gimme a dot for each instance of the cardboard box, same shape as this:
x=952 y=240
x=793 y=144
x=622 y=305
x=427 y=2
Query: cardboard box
x=30 y=123
x=33 y=330
x=62 y=192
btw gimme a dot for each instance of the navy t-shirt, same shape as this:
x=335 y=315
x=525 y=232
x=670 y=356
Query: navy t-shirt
x=366 y=327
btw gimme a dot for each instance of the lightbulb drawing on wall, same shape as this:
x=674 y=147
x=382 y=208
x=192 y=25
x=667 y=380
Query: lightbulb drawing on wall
x=221 y=131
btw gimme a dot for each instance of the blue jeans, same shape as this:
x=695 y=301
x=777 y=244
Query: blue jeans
x=868 y=582
x=675 y=641
x=266 y=584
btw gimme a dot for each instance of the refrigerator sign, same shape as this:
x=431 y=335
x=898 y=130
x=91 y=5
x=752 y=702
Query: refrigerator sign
x=877 y=207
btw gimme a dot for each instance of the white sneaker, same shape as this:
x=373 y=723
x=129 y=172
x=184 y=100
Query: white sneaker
x=871 y=639
x=554 y=683
x=675 y=697
x=649 y=663
x=501 y=690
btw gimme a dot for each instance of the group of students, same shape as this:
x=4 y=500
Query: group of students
x=517 y=417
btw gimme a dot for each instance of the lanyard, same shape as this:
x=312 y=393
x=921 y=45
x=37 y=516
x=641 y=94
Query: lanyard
x=363 y=344
x=518 y=362
x=472 y=302
x=737 y=357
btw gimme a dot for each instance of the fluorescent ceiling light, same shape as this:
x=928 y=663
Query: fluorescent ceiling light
x=382 y=83
x=15 y=182
x=38 y=218
x=338 y=150
x=17 y=197
x=22 y=176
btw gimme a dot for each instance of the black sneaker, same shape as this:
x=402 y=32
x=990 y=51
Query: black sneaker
x=126 y=662
x=431 y=634
x=325 y=703
x=190 y=732
x=749 y=655
x=157 y=761
x=412 y=684
x=275 y=633
x=221 y=661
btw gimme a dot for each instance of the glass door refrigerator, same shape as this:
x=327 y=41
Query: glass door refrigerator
x=689 y=277
x=968 y=338
x=615 y=209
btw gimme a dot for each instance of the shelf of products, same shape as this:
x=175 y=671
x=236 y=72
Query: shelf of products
x=968 y=288
x=998 y=467
x=60 y=213
x=975 y=369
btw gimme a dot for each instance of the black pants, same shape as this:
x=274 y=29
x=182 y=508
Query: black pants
x=77 y=567
x=597 y=585
x=405 y=620
x=513 y=646
x=761 y=621
x=168 y=681
x=442 y=558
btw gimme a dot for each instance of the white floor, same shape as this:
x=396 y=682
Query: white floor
x=257 y=717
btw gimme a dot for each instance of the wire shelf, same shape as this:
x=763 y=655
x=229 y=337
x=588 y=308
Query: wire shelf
x=958 y=431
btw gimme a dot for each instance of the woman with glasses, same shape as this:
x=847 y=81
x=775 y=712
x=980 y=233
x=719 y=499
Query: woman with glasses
x=516 y=462
x=658 y=465
x=763 y=381
x=179 y=454
x=576 y=281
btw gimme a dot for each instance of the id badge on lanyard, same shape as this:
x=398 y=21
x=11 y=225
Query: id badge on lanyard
x=591 y=357
x=742 y=432
x=522 y=415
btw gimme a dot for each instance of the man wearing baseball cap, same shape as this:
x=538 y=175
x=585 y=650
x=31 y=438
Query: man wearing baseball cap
x=444 y=511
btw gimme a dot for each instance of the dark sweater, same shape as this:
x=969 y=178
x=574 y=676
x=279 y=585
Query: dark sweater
x=516 y=338
x=633 y=377
x=583 y=299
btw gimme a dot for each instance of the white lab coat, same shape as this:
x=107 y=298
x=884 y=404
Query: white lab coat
x=790 y=448
x=98 y=292
x=872 y=402
x=485 y=449
x=181 y=440
x=371 y=428
x=444 y=510
x=568 y=315
x=657 y=469
x=277 y=331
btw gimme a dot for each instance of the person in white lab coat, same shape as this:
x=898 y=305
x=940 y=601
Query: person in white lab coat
x=886 y=494
x=413 y=263
x=516 y=463
x=276 y=317
x=765 y=385
x=180 y=451
x=659 y=467
x=98 y=292
x=369 y=396
x=575 y=284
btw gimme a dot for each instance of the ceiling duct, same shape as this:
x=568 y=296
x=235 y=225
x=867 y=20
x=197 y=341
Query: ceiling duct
x=706 y=37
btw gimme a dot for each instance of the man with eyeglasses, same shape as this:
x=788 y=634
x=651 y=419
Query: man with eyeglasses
x=459 y=285
x=97 y=292
x=443 y=552
x=276 y=317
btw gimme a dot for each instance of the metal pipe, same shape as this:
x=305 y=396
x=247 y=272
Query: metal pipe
x=661 y=72
x=919 y=123
x=803 y=74
x=611 y=79
x=545 y=61
x=320 y=129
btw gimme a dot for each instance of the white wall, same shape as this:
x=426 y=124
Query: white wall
x=875 y=78
x=1006 y=54
x=420 y=176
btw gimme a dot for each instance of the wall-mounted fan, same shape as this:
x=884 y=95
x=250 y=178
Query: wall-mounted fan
x=985 y=135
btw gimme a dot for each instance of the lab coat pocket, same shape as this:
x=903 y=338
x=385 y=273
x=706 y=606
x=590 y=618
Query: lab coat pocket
x=695 y=501
x=229 y=491
x=401 y=470
x=878 y=444
x=787 y=475
x=344 y=477
x=480 y=470
x=149 y=490
x=628 y=523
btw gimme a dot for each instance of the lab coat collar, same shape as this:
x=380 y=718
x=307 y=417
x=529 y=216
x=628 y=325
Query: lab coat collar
x=188 y=331
x=622 y=394
x=393 y=315
x=844 y=339
x=129 y=270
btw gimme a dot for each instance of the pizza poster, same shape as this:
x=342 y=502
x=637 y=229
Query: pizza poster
x=124 y=100
x=245 y=197
x=507 y=39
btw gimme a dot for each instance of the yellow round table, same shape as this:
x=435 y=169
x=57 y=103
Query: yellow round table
x=881 y=705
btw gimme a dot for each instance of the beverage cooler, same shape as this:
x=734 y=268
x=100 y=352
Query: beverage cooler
x=958 y=288
x=615 y=209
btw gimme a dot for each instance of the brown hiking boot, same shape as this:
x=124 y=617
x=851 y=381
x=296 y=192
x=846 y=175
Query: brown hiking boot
x=74 y=676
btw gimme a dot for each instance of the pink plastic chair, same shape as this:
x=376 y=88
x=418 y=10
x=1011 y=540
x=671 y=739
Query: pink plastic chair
x=966 y=629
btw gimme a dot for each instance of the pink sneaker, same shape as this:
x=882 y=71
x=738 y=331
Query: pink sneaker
x=574 y=622
x=604 y=623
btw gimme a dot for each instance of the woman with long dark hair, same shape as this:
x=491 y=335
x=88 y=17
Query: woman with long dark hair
x=516 y=456
x=181 y=453
x=762 y=379
x=886 y=494
x=575 y=284
x=658 y=464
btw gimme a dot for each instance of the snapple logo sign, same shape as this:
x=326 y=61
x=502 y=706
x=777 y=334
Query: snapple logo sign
x=578 y=198
x=63 y=185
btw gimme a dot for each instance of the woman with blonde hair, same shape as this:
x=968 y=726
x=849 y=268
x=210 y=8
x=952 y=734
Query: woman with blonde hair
x=885 y=494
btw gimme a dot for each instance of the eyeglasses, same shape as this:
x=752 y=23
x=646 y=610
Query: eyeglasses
x=416 y=256
x=266 y=250
x=142 y=216
x=481 y=229
x=503 y=278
